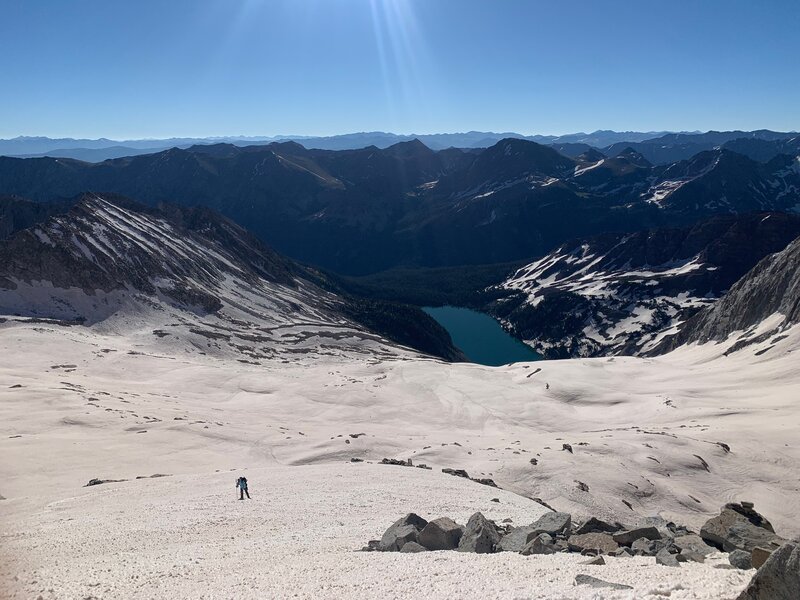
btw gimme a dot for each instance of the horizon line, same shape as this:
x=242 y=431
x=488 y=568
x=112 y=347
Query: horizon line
x=262 y=137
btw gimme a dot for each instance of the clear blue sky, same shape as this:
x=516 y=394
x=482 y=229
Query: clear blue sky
x=159 y=68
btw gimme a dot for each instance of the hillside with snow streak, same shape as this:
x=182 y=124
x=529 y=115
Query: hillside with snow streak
x=618 y=294
x=183 y=279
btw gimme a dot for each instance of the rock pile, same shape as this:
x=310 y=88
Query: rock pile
x=739 y=530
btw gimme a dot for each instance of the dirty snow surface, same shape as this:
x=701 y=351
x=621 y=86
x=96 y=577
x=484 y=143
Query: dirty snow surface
x=78 y=403
x=187 y=537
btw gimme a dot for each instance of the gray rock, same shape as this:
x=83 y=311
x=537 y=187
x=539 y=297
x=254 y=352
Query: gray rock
x=402 y=531
x=693 y=556
x=102 y=481
x=397 y=536
x=412 y=547
x=553 y=523
x=778 y=578
x=740 y=559
x=645 y=547
x=516 y=539
x=456 y=472
x=621 y=552
x=560 y=545
x=594 y=525
x=599 y=583
x=603 y=543
x=626 y=538
x=694 y=543
x=665 y=558
x=441 y=534
x=597 y=560
x=480 y=535
x=372 y=546
x=759 y=557
x=740 y=528
x=541 y=544
x=746 y=510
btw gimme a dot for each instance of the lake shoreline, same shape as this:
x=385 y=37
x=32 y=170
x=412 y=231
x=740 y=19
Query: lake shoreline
x=480 y=337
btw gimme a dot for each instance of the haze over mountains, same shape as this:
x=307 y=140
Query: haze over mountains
x=658 y=147
x=95 y=150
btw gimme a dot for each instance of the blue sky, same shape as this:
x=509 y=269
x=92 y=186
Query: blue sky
x=146 y=68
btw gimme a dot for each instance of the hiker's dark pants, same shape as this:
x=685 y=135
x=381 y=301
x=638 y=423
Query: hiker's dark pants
x=242 y=492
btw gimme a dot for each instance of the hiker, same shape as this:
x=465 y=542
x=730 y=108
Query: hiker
x=241 y=483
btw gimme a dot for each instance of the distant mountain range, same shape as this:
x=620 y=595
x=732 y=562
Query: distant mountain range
x=96 y=150
x=366 y=210
x=657 y=147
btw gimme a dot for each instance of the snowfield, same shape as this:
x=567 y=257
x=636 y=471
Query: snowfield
x=676 y=436
x=187 y=537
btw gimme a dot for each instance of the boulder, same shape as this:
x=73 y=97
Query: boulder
x=553 y=523
x=626 y=538
x=516 y=539
x=372 y=546
x=412 y=547
x=485 y=481
x=402 y=531
x=621 y=552
x=603 y=543
x=645 y=547
x=740 y=559
x=778 y=578
x=441 y=534
x=739 y=527
x=456 y=472
x=597 y=560
x=694 y=543
x=480 y=535
x=599 y=583
x=397 y=536
x=759 y=557
x=691 y=555
x=746 y=510
x=665 y=558
x=541 y=544
x=594 y=525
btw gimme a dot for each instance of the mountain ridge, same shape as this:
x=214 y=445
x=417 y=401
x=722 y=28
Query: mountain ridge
x=194 y=276
x=367 y=210
x=621 y=294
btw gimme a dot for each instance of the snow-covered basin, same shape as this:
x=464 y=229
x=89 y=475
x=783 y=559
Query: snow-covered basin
x=78 y=403
x=189 y=537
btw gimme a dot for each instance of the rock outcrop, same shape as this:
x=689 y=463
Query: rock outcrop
x=441 y=534
x=480 y=535
x=771 y=287
x=778 y=578
x=401 y=532
x=740 y=527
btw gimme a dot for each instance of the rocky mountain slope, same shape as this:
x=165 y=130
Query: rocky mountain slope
x=18 y=213
x=361 y=211
x=617 y=293
x=192 y=279
x=759 y=307
x=671 y=147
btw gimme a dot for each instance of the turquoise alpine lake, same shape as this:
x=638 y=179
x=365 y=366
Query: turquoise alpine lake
x=480 y=337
